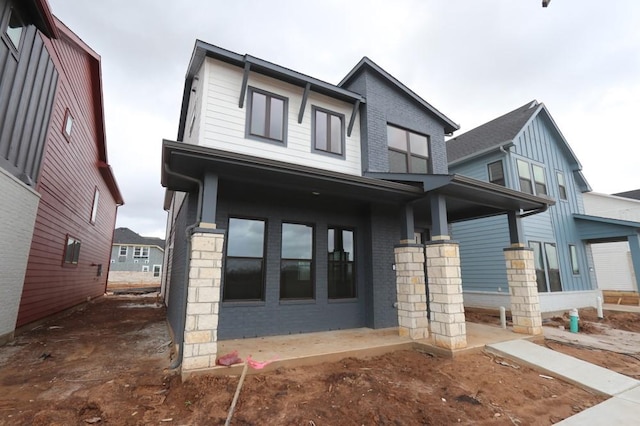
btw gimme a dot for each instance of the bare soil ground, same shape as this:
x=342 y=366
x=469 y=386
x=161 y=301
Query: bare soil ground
x=107 y=364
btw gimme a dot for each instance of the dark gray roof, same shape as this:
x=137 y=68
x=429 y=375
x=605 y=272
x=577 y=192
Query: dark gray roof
x=498 y=132
x=635 y=194
x=127 y=236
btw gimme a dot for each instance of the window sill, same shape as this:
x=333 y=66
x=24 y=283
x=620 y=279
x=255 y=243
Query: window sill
x=298 y=302
x=242 y=303
x=345 y=300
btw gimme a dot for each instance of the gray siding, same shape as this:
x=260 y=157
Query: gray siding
x=128 y=263
x=388 y=104
x=27 y=86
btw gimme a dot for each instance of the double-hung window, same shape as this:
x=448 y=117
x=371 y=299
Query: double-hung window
x=408 y=151
x=328 y=131
x=539 y=179
x=532 y=178
x=524 y=176
x=141 y=252
x=72 y=250
x=266 y=116
x=296 y=271
x=244 y=263
x=562 y=186
x=341 y=263
x=496 y=173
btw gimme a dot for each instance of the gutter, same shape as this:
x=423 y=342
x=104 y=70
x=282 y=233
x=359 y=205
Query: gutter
x=500 y=147
x=188 y=230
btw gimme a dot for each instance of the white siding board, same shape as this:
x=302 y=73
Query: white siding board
x=224 y=121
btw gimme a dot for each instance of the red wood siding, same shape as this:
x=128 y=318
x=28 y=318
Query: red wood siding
x=67 y=183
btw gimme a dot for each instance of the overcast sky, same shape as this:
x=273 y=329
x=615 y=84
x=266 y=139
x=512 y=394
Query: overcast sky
x=474 y=60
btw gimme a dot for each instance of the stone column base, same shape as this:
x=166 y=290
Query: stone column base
x=411 y=291
x=523 y=289
x=445 y=295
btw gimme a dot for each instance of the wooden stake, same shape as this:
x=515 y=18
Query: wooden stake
x=235 y=397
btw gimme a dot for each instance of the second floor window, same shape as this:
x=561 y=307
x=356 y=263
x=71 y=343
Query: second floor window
x=562 y=186
x=266 y=116
x=328 y=131
x=123 y=251
x=540 y=180
x=496 y=173
x=141 y=252
x=531 y=182
x=14 y=29
x=524 y=176
x=408 y=151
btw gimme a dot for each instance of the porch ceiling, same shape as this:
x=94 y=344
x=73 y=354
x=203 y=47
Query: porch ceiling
x=466 y=198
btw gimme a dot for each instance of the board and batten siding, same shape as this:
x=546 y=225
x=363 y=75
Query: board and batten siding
x=67 y=184
x=28 y=82
x=540 y=143
x=223 y=122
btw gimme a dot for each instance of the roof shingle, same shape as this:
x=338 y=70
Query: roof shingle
x=127 y=236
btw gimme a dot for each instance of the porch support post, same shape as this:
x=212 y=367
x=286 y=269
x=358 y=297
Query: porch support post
x=411 y=291
x=516 y=235
x=634 y=247
x=439 y=226
x=407 y=224
x=445 y=294
x=209 y=199
x=200 y=346
x=523 y=290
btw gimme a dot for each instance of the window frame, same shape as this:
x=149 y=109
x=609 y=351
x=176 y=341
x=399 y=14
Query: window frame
x=342 y=144
x=285 y=116
x=159 y=267
x=354 y=264
x=408 y=153
x=562 y=186
x=6 y=35
x=94 y=208
x=573 y=257
x=227 y=257
x=312 y=262
x=75 y=245
x=489 y=173
x=536 y=182
x=143 y=252
x=145 y=268
x=546 y=270
x=521 y=178
x=67 y=129
x=126 y=251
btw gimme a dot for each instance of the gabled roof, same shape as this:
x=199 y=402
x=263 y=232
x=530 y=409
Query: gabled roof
x=202 y=50
x=498 y=132
x=127 y=236
x=635 y=194
x=40 y=14
x=366 y=63
x=98 y=105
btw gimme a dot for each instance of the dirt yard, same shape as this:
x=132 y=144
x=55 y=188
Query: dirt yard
x=107 y=364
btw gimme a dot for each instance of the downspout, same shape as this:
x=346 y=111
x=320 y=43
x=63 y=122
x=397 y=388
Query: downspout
x=178 y=361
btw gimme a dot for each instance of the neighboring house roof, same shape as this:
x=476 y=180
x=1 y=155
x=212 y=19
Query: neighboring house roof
x=127 y=236
x=635 y=194
x=98 y=107
x=365 y=63
x=501 y=133
x=253 y=64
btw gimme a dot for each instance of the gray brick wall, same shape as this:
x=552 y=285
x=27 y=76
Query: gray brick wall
x=18 y=210
x=387 y=104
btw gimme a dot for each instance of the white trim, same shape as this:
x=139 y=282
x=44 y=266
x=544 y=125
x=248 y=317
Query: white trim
x=549 y=302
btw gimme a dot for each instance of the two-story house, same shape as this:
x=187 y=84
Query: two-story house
x=296 y=206
x=526 y=151
x=135 y=260
x=60 y=195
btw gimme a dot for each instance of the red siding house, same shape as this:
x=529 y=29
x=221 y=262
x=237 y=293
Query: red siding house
x=71 y=246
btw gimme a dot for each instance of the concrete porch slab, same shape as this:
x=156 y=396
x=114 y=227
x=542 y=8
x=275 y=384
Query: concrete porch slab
x=328 y=346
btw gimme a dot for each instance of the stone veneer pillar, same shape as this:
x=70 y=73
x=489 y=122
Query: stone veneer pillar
x=200 y=346
x=445 y=294
x=523 y=289
x=411 y=291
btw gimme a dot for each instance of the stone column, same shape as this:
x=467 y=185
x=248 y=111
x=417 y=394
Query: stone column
x=411 y=291
x=523 y=289
x=445 y=294
x=200 y=346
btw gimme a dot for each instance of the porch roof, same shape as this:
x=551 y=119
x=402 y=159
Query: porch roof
x=466 y=198
x=595 y=229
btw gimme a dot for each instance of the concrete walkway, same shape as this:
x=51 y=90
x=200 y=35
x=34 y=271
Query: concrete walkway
x=621 y=408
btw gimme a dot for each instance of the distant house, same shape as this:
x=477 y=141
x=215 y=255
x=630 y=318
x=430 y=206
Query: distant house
x=60 y=195
x=614 y=262
x=296 y=205
x=135 y=260
x=525 y=150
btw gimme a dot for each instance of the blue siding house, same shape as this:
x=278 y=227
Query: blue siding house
x=526 y=151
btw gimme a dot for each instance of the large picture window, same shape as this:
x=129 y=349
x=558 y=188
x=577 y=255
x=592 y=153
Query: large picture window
x=547 y=267
x=328 y=131
x=341 y=263
x=296 y=272
x=408 y=151
x=244 y=263
x=267 y=116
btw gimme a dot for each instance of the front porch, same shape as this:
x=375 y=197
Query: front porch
x=305 y=349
